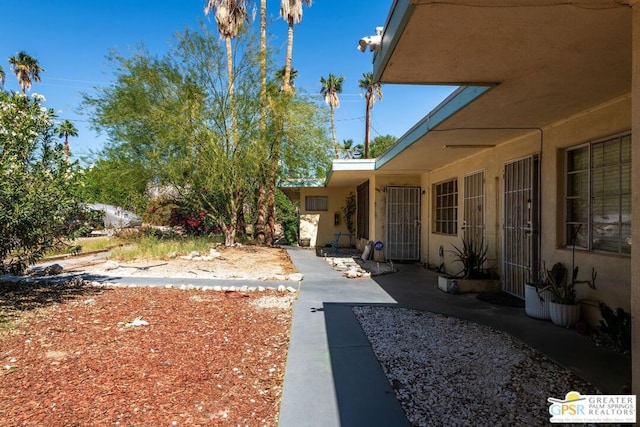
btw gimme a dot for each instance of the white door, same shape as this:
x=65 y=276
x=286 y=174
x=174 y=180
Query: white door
x=403 y=223
x=521 y=253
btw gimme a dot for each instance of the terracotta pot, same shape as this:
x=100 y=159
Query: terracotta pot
x=532 y=304
x=564 y=314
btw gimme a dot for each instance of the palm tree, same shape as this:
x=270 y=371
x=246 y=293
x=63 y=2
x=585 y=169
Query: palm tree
x=229 y=15
x=331 y=87
x=293 y=74
x=66 y=129
x=350 y=151
x=258 y=225
x=291 y=11
x=372 y=90
x=26 y=69
x=3 y=76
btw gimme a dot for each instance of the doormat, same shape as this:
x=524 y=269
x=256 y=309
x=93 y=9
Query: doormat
x=501 y=298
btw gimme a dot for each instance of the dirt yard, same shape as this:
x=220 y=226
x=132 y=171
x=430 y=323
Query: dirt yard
x=241 y=262
x=79 y=355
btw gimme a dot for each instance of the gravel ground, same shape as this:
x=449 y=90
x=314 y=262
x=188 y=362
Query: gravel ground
x=449 y=372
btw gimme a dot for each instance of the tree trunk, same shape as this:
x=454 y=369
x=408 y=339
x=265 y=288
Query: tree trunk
x=259 y=225
x=333 y=132
x=367 y=126
x=232 y=102
x=241 y=224
x=263 y=70
x=271 y=196
x=286 y=86
x=66 y=148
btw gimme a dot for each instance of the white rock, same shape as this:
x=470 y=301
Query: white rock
x=217 y=288
x=214 y=254
x=281 y=288
x=352 y=274
x=261 y=288
x=296 y=277
x=137 y=322
x=292 y=289
x=111 y=265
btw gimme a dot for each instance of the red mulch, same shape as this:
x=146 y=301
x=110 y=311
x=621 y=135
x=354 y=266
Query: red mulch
x=68 y=358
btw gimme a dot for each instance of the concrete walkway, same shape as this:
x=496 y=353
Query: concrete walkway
x=332 y=376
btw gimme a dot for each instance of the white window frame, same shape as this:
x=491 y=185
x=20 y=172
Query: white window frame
x=445 y=207
x=590 y=228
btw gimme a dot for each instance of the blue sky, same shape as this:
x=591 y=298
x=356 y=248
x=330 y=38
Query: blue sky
x=70 y=39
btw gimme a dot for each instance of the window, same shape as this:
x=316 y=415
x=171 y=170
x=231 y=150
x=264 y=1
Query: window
x=315 y=203
x=598 y=195
x=362 y=212
x=446 y=207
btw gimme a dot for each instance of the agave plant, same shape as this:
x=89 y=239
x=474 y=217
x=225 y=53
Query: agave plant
x=563 y=288
x=557 y=281
x=473 y=256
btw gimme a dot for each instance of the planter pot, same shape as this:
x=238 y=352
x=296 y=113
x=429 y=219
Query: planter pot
x=533 y=306
x=462 y=286
x=564 y=315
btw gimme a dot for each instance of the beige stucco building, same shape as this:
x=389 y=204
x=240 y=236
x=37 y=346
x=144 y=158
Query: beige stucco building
x=536 y=152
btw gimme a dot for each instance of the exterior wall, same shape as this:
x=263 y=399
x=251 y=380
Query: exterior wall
x=378 y=208
x=492 y=163
x=318 y=226
x=635 y=231
x=614 y=271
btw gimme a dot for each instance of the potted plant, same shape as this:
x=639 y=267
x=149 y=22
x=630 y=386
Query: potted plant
x=536 y=298
x=564 y=309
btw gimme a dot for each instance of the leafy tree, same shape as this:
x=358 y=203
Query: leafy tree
x=39 y=206
x=372 y=90
x=65 y=130
x=288 y=217
x=26 y=69
x=167 y=117
x=3 y=76
x=291 y=11
x=118 y=179
x=331 y=87
x=380 y=144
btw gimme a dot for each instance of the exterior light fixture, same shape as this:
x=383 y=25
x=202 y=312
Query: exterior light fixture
x=374 y=42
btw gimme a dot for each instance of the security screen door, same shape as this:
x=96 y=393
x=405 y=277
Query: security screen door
x=473 y=219
x=521 y=236
x=403 y=223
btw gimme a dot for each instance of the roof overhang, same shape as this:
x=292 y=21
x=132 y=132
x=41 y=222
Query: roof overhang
x=291 y=187
x=522 y=65
x=350 y=172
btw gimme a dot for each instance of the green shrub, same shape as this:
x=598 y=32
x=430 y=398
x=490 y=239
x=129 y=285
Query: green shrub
x=616 y=326
x=39 y=207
